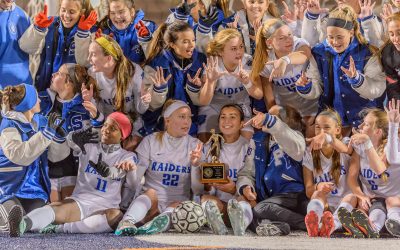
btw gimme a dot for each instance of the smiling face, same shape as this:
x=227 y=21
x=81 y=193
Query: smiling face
x=394 y=33
x=339 y=38
x=6 y=4
x=70 y=12
x=256 y=8
x=179 y=122
x=233 y=51
x=110 y=132
x=282 y=40
x=328 y=125
x=230 y=121
x=184 y=44
x=99 y=61
x=396 y=3
x=120 y=15
x=368 y=126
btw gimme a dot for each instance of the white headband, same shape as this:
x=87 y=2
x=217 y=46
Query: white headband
x=174 y=106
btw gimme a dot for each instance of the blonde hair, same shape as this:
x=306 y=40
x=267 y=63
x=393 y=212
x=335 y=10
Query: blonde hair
x=124 y=71
x=86 y=6
x=11 y=96
x=217 y=45
x=224 y=6
x=272 y=9
x=336 y=166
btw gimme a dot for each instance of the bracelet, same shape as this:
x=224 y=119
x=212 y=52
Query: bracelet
x=368 y=145
x=328 y=138
x=248 y=86
x=286 y=59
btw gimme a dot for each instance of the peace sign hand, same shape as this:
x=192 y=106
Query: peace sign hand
x=234 y=24
x=195 y=155
x=212 y=71
x=352 y=71
x=289 y=16
x=159 y=79
x=367 y=8
x=387 y=10
x=87 y=94
x=313 y=7
x=393 y=111
x=196 y=79
x=242 y=75
x=302 y=81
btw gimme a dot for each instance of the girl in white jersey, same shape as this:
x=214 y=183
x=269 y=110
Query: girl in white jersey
x=168 y=160
x=93 y=207
x=325 y=170
x=119 y=82
x=221 y=198
x=227 y=81
x=279 y=61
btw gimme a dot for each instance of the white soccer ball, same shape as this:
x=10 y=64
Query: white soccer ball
x=188 y=217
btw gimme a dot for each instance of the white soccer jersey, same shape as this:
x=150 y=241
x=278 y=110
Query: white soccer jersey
x=92 y=186
x=341 y=189
x=372 y=184
x=232 y=154
x=284 y=87
x=166 y=166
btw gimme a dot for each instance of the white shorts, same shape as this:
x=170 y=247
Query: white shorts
x=58 y=183
x=211 y=120
x=89 y=207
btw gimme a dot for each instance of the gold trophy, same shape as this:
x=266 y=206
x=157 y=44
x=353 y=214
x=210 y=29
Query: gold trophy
x=214 y=171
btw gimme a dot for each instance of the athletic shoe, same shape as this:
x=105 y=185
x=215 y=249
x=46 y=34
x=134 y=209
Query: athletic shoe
x=214 y=218
x=348 y=224
x=235 y=213
x=157 y=225
x=312 y=224
x=328 y=224
x=126 y=228
x=14 y=219
x=361 y=221
x=393 y=227
x=273 y=229
x=49 y=229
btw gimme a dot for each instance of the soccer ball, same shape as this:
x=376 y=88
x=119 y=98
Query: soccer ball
x=188 y=217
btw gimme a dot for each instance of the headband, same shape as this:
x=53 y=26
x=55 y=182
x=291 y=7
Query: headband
x=107 y=45
x=174 y=106
x=271 y=29
x=340 y=23
x=29 y=100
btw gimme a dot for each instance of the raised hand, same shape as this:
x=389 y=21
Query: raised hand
x=317 y=141
x=279 y=68
x=300 y=8
x=87 y=24
x=242 y=75
x=42 y=20
x=195 y=155
x=185 y=8
x=91 y=108
x=387 y=10
x=87 y=94
x=351 y=72
x=288 y=15
x=393 y=111
x=159 y=79
x=249 y=194
x=313 y=7
x=257 y=121
x=234 y=24
x=146 y=97
x=367 y=8
x=84 y=136
x=303 y=80
x=141 y=29
x=196 y=79
x=212 y=69
x=211 y=16
x=101 y=167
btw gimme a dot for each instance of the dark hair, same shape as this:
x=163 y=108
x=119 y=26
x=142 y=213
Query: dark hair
x=78 y=75
x=235 y=106
x=11 y=96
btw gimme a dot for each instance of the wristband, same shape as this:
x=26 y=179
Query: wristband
x=367 y=145
x=328 y=138
x=248 y=86
x=286 y=59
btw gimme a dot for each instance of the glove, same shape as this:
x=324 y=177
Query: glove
x=84 y=136
x=185 y=8
x=101 y=167
x=86 y=24
x=41 y=19
x=54 y=130
x=141 y=29
x=209 y=19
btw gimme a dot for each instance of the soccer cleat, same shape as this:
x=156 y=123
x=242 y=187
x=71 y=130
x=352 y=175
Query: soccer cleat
x=49 y=229
x=126 y=228
x=348 y=224
x=157 y=225
x=235 y=213
x=312 y=224
x=393 y=227
x=361 y=221
x=273 y=229
x=214 y=218
x=328 y=224
x=14 y=220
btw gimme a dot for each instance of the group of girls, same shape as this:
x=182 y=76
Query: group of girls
x=151 y=91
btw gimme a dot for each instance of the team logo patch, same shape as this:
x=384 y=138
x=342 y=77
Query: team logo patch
x=12 y=28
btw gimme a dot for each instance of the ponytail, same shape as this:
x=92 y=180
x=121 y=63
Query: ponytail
x=157 y=43
x=11 y=96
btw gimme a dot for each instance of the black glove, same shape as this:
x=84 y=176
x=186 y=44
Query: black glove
x=101 y=167
x=54 y=130
x=185 y=8
x=209 y=19
x=84 y=136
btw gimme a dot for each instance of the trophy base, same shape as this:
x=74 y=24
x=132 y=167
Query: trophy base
x=214 y=173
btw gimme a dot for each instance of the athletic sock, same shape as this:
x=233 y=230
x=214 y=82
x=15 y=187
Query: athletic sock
x=394 y=213
x=345 y=205
x=378 y=218
x=247 y=213
x=138 y=209
x=94 y=224
x=39 y=218
x=317 y=206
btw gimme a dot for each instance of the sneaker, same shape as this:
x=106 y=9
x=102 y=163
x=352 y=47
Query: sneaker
x=393 y=227
x=361 y=220
x=126 y=228
x=312 y=224
x=235 y=213
x=273 y=229
x=214 y=218
x=49 y=229
x=14 y=220
x=328 y=224
x=348 y=224
x=157 y=225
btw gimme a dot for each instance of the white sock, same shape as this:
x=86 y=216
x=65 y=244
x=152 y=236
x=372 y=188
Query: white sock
x=317 y=206
x=39 y=218
x=94 y=224
x=138 y=209
x=378 y=218
x=248 y=213
x=394 y=214
x=348 y=207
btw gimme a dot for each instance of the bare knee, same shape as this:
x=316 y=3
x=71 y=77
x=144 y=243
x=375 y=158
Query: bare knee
x=392 y=202
x=319 y=195
x=351 y=199
x=113 y=216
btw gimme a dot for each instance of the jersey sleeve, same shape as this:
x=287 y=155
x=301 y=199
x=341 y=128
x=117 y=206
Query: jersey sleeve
x=144 y=155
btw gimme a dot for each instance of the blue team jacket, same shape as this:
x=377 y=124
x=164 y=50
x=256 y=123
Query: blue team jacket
x=27 y=182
